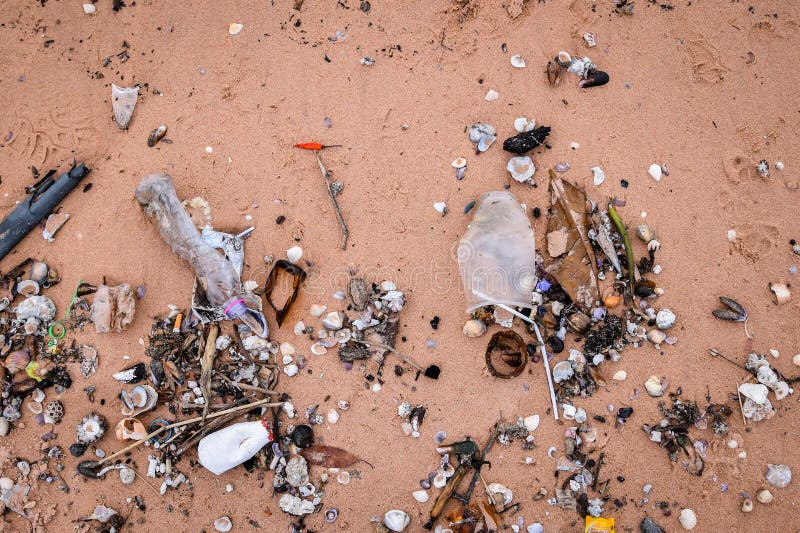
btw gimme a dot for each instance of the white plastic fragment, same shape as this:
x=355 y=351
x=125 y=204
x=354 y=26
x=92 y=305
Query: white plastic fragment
x=491 y=95
x=235 y=28
x=655 y=171
x=89 y=9
x=598 y=176
x=517 y=61
x=440 y=207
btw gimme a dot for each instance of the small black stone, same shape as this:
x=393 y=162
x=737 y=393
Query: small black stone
x=77 y=449
x=621 y=479
x=280 y=220
x=624 y=183
x=625 y=412
x=792 y=242
x=600 y=418
x=526 y=141
x=433 y=372
x=435 y=322
x=303 y=436
x=537 y=212
x=556 y=344
x=398 y=370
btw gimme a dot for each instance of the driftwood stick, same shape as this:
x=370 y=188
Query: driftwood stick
x=327 y=177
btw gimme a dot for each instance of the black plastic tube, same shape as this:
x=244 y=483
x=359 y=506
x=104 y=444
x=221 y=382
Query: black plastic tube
x=44 y=196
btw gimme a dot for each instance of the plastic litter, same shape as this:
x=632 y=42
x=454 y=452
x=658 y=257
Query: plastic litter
x=231 y=446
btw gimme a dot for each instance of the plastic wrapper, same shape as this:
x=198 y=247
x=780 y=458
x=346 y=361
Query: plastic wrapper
x=497 y=256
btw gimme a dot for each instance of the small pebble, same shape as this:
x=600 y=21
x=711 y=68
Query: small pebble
x=492 y=95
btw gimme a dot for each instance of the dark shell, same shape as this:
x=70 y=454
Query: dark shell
x=132 y=374
x=649 y=526
x=506 y=355
x=526 y=141
x=303 y=436
x=596 y=78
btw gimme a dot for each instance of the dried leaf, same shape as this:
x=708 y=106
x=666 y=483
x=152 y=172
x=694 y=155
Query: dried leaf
x=575 y=271
x=329 y=456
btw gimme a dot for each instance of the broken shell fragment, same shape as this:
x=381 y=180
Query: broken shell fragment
x=396 y=520
x=645 y=233
x=156 y=135
x=235 y=28
x=478 y=130
x=747 y=505
x=688 y=519
x=474 y=328
x=591 y=40
x=563 y=59
x=598 y=176
x=517 y=61
x=27 y=287
x=523 y=124
x=123 y=101
x=755 y=391
x=521 y=168
x=294 y=254
x=620 y=375
x=665 y=319
x=37 y=306
x=440 y=207
x=655 y=171
x=764 y=496
x=130 y=429
x=333 y=321
x=562 y=371
x=35 y=407
x=656 y=336
x=318 y=349
x=421 y=496
x=295 y=506
x=127 y=476
x=485 y=142
x=223 y=523
x=781 y=292
x=653 y=386
x=779 y=476
x=17 y=360
x=491 y=96
x=531 y=422
x=459 y=162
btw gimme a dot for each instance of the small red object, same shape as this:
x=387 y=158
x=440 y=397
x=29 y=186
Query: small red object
x=315 y=146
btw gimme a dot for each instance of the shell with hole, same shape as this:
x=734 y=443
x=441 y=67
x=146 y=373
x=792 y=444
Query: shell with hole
x=140 y=399
x=130 y=429
x=123 y=100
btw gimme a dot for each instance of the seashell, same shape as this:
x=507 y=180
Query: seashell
x=31 y=326
x=688 y=519
x=89 y=9
x=331 y=515
x=781 y=390
x=497 y=489
x=531 y=422
x=779 y=476
x=234 y=28
x=523 y=124
x=439 y=480
x=4 y=427
x=17 y=360
x=517 y=61
x=764 y=496
x=645 y=233
x=485 y=142
x=223 y=523
x=27 y=287
x=291 y=370
x=440 y=207
x=35 y=407
x=38 y=272
x=491 y=96
x=319 y=349
x=332 y=416
x=459 y=162
x=421 y=496
x=755 y=391
x=343 y=335
x=581 y=67
x=333 y=321
x=461 y=172
x=656 y=336
x=747 y=505
x=317 y=310
x=296 y=471
x=53 y=412
x=329 y=342
x=653 y=386
x=665 y=319
x=343 y=477
x=478 y=130
x=91 y=428
x=579 y=322
x=396 y=520
x=295 y=506
x=294 y=254
x=127 y=476
x=156 y=135
x=474 y=328
x=620 y=375
x=142 y=398
x=38 y=395
x=569 y=411
x=598 y=176
x=781 y=292
x=655 y=171
x=521 y=168
x=40 y=307
x=123 y=100
x=594 y=78
x=130 y=429
x=591 y=40
x=563 y=59
x=562 y=371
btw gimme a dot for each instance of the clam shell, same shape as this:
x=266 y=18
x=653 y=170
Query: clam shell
x=343 y=335
x=123 y=100
x=396 y=520
x=35 y=407
x=421 y=496
x=485 y=142
x=521 y=168
x=478 y=130
x=28 y=287
x=156 y=135
x=318 y=349
x=459 y=162
x=562 y=371
x=130 y=429
x=517 y=61
x=523 y=124
x=38 y=395
x=142 y=398
x=17 y=360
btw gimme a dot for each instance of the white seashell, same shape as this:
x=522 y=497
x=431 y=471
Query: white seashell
x=459 y=162
x=491 y=95
x=598 y=176
x=747 y=505
x=27 y=287
x=235 y=28
x=295 y=506
x=732 y=235
x=581 y=66
x=796 y=359
x=421 y=496
x=35 y=407
x=517 y=61
x=38 y=395
x=127 y=476
x=523 y=124
x=300 y=327
x=332 y=416
x=563 y=58
x=440 y=207
x=655 y=171
x=223 y=524
x=580 y=415
x=536 y=527
x=40 y=307
x=396 y=520
x=343 y=477
x=439 y=480
x=781 y=292
x=591 y=40
x=521 y=168
x=332 y=321
x=123 y=101
x=645 y=233
x=318 y=349
x=688 y=519
x=653 y=386
x=291 y=370
x=89 y=9
x=485 y=142
x=498 y=489
x=665 y=319
x=287 y=348
x=343 y=335
x=388 y=285
x=764 y=496
x=620 y=375
x=474 y=328
x=755 y=391
x=294 y=254
x=317 y=310
x=569 y=411
x=779 y=476
x=656 y=336
x=478 y=130
x=781 y=390
x=562 y=371
x=531 y=422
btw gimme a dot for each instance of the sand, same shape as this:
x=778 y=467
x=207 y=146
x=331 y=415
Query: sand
x=708 y=88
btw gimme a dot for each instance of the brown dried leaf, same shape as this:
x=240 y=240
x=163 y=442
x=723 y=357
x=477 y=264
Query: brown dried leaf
x=329 y=456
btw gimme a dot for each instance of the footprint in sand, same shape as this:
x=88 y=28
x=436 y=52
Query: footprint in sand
x=756 y=238
x=705 y=61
